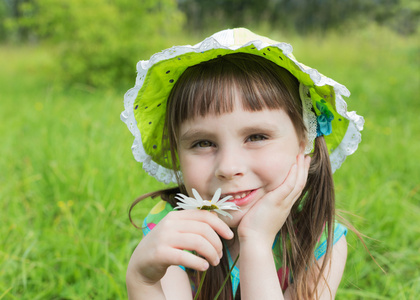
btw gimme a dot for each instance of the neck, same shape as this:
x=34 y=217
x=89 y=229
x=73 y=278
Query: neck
x=233 y=246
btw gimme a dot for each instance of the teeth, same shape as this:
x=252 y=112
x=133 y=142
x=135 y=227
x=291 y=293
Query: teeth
x=240 y=196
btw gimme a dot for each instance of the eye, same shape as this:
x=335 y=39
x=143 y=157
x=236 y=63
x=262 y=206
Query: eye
x=256 y=138
x=202 y=144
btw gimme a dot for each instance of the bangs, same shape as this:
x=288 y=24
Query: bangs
x=213 y=86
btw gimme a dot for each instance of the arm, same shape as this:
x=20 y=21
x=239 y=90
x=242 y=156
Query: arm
x=137 y=289
x=174 y=285
x=258 y=229
x=260 y=265
x=258 y=274
x=150 y=274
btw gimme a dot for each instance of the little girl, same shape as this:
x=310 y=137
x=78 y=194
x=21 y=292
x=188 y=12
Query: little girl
x=238 y=112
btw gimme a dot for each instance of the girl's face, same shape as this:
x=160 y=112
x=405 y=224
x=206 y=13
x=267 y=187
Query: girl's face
x=245 y=153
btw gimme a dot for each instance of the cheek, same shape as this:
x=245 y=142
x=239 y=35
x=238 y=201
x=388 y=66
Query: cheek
x=275 y=167
x=194 y=172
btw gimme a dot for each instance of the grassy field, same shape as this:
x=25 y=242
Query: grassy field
x=67 y=175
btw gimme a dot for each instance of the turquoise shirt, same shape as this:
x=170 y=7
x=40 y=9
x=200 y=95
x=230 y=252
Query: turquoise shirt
x=162 y=208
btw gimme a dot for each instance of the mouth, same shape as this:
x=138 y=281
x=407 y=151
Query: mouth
x=236 y=196
x=241 y=198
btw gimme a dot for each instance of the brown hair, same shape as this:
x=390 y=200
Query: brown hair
x=210 y=87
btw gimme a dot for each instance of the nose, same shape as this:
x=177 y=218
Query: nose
x=230 y=164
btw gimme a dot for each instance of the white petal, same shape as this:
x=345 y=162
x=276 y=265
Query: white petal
x=216 y=196
x=187 y=200
x=230 y=207
x=229 y=204
x=197 y=196
x=223 y=213
x=207 y=203
x=185 y=206
x=181 y=196
x=224 y=199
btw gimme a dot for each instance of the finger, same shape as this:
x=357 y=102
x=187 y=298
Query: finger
x=282 y=193
x=308 y=160
x=207 y=217
x=303 y=164
x=186 y=259
x=194 y=242
x=204 y=230
x=291 y=188
x=173 y=226
x=302 y=175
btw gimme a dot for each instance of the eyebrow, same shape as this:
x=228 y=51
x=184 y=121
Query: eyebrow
x=260 y=128
x=195 y=134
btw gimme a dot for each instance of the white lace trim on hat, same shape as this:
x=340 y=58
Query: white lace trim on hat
x=351 y=139
x=309 y=118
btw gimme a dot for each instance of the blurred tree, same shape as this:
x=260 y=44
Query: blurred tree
x=403 y=16
x=99 y=41
x=3 y=16
x=9 y=13
x=304 y=16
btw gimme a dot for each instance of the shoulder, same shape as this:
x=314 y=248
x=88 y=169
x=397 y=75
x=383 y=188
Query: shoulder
x=338 y=258
x=320 y=249
x=156 y=214
x=327 y=287
x=334 y=269
x=338 y=232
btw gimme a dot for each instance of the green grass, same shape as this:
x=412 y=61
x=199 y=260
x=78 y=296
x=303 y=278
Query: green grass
x=67 y=175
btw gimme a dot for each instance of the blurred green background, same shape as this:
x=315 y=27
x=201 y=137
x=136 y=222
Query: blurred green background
x=67 y=175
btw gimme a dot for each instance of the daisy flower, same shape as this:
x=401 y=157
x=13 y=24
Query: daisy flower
x=216 y=204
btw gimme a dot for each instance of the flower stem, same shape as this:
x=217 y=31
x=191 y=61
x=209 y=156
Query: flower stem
x=201 y=285
x=226 y=279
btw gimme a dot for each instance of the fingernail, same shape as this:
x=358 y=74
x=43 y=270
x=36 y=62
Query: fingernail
x=205 y=265
x=216 y=261
x=230 y=234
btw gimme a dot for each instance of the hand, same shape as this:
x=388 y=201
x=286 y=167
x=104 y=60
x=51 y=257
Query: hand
x=193 y=230
x=267 y=216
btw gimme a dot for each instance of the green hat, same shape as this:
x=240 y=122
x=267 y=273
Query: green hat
x=145 y=103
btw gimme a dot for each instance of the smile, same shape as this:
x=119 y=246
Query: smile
x=239 y=195
x=241 y=198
